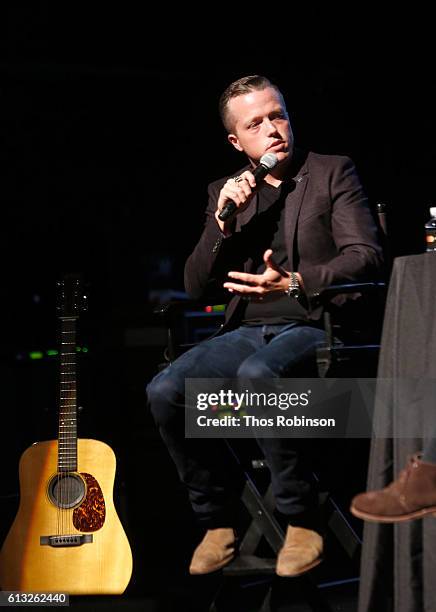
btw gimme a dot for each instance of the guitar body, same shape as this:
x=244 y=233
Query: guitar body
x=100 y=566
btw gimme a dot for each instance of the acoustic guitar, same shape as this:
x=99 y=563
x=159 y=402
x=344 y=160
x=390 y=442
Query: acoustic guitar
x=66 y=536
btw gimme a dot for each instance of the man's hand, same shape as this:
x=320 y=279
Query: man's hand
x=239 y=190
x=269 y=285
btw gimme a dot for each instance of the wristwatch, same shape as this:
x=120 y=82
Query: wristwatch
x=294 y=289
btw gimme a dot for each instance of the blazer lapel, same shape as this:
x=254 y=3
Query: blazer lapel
x=294 y=200
x=299 y=172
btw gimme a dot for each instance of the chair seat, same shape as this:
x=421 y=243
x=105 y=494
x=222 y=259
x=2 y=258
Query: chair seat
x=355 y=356
x=350 y=351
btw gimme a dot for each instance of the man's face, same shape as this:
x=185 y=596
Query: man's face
x=260 y=125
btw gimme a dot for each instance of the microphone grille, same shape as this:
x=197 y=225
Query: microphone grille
x=269 y=160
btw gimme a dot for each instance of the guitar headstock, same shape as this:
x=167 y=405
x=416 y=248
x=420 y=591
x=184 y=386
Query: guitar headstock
x=71 y=299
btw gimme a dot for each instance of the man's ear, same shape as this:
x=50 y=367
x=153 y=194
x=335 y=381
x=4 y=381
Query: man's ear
x=234 y=140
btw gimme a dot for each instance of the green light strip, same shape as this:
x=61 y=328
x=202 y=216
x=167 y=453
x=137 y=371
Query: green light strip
x=53 y=352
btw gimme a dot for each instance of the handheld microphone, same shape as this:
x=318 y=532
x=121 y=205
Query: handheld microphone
x=267 y=163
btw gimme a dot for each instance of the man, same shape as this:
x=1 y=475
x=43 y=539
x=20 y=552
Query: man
x=305 y=226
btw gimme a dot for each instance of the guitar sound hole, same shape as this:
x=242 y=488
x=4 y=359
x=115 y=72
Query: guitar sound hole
x=66 y=490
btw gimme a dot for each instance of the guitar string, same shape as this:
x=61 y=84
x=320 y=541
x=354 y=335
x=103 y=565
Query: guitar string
x=68 y=474
x=73 y=422
x=58 y=487
x=71 y=481
x=64 y=477
x=67 y=513
x=64 y=445
x=72 y=442
x=63 y=456
x=59 y=474
x=61 y=438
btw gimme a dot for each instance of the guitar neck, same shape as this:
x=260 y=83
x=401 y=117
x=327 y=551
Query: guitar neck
x=67 y=437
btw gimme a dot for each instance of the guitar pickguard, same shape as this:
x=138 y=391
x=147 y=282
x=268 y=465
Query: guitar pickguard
x=91 y=513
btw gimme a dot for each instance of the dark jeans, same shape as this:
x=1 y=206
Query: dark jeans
x=205 y=466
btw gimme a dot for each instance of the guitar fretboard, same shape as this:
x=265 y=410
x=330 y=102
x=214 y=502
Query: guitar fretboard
x=67 y=438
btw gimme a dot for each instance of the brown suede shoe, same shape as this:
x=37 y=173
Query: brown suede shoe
x=412 y=495
x=301 y=551
x=216 y=550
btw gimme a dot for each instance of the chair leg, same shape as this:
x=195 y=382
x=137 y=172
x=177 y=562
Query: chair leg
x=344 y=532
x=266 y=605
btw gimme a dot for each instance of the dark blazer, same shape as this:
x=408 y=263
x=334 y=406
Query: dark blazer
x=330 y=232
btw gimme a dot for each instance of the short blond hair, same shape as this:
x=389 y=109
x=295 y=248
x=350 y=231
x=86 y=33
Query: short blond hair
x=254 y=82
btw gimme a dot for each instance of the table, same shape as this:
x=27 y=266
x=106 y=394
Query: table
x=398 y=564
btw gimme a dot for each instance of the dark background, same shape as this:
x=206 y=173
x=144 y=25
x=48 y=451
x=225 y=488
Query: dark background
x=109 y=135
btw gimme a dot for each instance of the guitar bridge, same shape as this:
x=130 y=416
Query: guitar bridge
x=64 y=541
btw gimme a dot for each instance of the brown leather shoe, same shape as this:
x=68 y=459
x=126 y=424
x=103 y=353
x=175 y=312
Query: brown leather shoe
x=216 y=550
x=301 y=551
x=412 y=495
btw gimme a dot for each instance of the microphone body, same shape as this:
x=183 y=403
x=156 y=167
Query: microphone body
x=266 y=164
